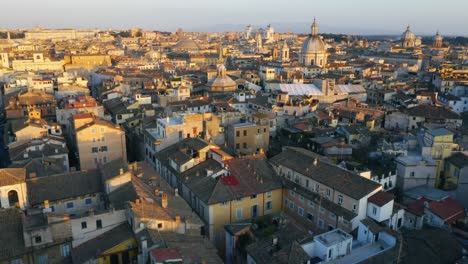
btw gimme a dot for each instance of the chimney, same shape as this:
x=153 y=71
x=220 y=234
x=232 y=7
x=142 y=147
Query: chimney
x=46 y=204
x=315 y=162
x=275 y=241
x=121 y=171
x=176 y=192
x=164 y=200
x=177 y=219
x=156 y=192
x=137 y=201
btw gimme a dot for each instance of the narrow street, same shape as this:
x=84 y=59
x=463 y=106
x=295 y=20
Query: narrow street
x=3 y=152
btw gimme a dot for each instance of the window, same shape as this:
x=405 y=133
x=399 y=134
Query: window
x=291 y=205
x=245 y=133
x=52 y=208
x=412 y=174
x=104 y=159
x=340 y=199
x=322 y=210
x=253 y=196
x=16 y=261
x=84 y=225
x=103 y=148
x=291 y=192
x=94 y=149
x=238 y=133
x=374 y=210
x=42 y=259
x=286 y=202
x=354 y=207
x=321 y=224
x=160 y=225
x=65 y=249
x=103 y=139
x=99 y=224
x=254 y=211
x=301 y=198
x=264 y=130
x=237 y=146
x=317 y=187
x=239 y=213
x=244 y=145
x=268 y=194
x=102 y=130
x=300 y=211
x=269 y=205
x=88 y=201
x=311 y=204
x=310 y=217
x=224 y=203
x=307 y=183
x=332 y=216
x=328 y=192
x=69 y=205
x=95 y=160
x=37 y=239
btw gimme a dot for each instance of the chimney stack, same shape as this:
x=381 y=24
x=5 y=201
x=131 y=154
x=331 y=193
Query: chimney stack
x=121 y=171
x=315 y=162
x=46 y=204
x=164 y=200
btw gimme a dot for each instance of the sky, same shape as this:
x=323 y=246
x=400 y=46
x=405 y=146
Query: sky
x=334 y=16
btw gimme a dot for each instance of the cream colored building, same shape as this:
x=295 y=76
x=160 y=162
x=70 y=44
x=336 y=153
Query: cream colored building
x=13 y=191
x=37 y=63
x=248 y=138
x=97 y=141
x=47 y=34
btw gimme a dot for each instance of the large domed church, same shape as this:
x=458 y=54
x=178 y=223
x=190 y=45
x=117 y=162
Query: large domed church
x=409 y=39
x=314 y=52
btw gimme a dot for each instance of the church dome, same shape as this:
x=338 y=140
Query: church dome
x=222 y=82
x=187 y=44
x=408 y=34
x=313 y=43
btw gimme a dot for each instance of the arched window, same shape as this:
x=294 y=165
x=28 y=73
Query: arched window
x=312 y=62
x=13 y=198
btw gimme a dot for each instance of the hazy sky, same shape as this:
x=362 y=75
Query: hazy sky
x=358 y=16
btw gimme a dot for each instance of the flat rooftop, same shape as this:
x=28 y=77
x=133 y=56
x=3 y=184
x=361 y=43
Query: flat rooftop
x=333 y=237
x=247 y=124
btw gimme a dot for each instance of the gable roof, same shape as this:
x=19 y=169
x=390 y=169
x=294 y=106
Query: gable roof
x=432 y=112
x=344 y=181
x=381 y=198
x=458 y=159
x=448 y=210
x=11 y=176
x=95 y=247
x=11 y=230
x=63 y=186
